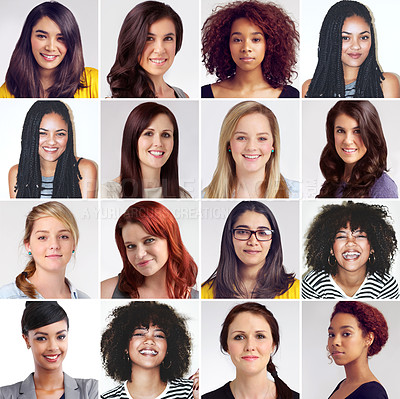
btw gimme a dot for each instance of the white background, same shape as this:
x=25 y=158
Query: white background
x=113 y=118
x=320 y=377
x=290 y=6
x=82 y=269
x=184 y=71
x=13 y=15
x=188 y=309
x=214 y=215
x=314 y=140
x=213 y=113
x=83 y=358
x=84 y=116
x=217 y=368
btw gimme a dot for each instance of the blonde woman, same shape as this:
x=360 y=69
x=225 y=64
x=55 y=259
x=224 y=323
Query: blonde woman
x=51 y=236
x=248 y=160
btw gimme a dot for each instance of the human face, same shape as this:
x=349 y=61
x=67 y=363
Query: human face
x=250 y=343
x=252 y=143
x=49 y=345
x=148 y=347
x=156 y=143
x=147 y=253
x=346 y=341
x=48 y=44
x=252 y=253
x=51 y=244
x=349 y=144
x=53 y=137
x=351 y=250
x=159 y=52
x=356 y=41
x=247 y=44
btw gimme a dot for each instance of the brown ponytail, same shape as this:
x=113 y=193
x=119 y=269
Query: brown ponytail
x=22 y=280
x=282 y=390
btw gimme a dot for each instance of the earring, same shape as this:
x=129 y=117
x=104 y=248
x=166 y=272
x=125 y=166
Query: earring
x=330 y=257
x=73 y=251
x=29 y=253
x=272 y=150
x=169 y=365
x=229 y=150
x=371 y=258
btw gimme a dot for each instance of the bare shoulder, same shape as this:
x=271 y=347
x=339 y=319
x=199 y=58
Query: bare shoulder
x=304 y=88
x=12 y=180
x=86 y=166
x=391 y=85
x=88 y=184
x=108 y=287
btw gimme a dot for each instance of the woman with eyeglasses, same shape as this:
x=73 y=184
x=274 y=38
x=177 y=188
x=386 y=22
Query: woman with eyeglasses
x=251 y=259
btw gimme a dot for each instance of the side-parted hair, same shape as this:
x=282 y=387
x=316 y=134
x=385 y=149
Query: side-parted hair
x=370 y=167
x=41 y=313
x=22 y=78
x=272 y=279
x=47 y=209
x=370 y=320
x=328 y=79
x=29 y=177
x=125 y=319
x=279 y=30
x=131 y=174
x=224 y=179
x=282 y=390
x=374 y=220
x=127 y=78
x=157 y=220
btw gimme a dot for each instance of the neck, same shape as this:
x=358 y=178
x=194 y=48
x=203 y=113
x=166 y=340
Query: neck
x=256 y=386
x=145 y=383
x=350 y=74
x=51 y=285
x=48 y=380
x=155 y=286
x=350 y=282
x=161 y=88
x=249 y=79
x=248 y=276
x=46 y=77
x=358 y=371
x=347 y=172
x=150 y=177
x=47 y=168
x=248 y=185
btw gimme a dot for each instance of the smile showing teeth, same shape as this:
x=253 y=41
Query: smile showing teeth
x=349 y=150
x=157 y=153
x=148 y=352
x=351 y=255
x=251 y=156
x=52 y=357
x=158 y=61
x=50 y=149
x=48 y=57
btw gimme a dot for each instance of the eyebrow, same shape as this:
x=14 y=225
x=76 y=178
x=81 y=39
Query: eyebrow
x=240 y=33
x=341 y=327
x=341 y=127
x=244 y=226
x=167 y=34
x=46 y=33
x=43 y=333
x=258 y=134
x=47 y=231
x=361 y=33
x=153 y=130
x=244 y=332
x=58 y=130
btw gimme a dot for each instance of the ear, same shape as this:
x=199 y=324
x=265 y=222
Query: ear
x=370 y=338
x=27 y=246
x=331 y=251
x=372 y=251
x=26 y=341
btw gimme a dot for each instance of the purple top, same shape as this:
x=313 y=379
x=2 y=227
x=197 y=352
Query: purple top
x=384 y=187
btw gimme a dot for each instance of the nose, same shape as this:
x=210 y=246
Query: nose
x=52 y=344
x=158 y=46
x=335 y=341
x=349 y=138
x=246 y=46
x=148 y=339
x=250 y=347
x=157 y=140
x=51 y=139
x=355 y=44
x=54 y=244
x=50 y=44
x=140 y=252
x=251 y=144
x=252 y=239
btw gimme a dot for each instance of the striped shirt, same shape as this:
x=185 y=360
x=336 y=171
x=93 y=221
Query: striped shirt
x=320 y=285
x=47 y=187
x=178 y=388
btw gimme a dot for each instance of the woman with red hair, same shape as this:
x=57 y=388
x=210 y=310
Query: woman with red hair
x=156 y=263
x=357 y=331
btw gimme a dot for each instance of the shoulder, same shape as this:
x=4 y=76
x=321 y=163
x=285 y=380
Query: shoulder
x=12 y=180
x=289 y=92
x=108 y=287
x=183 y=193
x=90 y=78
x=223 y=392
x=75 y=293
x=181 y=383
x=87 y=167
x=10 y=391
x=380 y=287
x=179 y=92
x=304 y=88
x=384 y=187
x=86 y=386
x=390 y=86
x=315 y=284
x=371 y=390
x=207 y=290
x=92 y=75
x=292 y=293
x=116 y=392
x=11 y=291
x=4 y=93
x=110 y=189
x=294 y=188
x=206 y=92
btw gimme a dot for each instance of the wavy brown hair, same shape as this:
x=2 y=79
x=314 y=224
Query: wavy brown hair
x=279 y=30
x=370 y=167
x=127 y=78
x=157 y=220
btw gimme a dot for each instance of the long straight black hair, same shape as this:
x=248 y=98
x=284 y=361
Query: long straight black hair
x=272 y=279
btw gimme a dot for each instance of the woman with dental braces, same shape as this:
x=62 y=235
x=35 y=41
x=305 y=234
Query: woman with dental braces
x=349 y=252
x=146 y=347
x=354 y=160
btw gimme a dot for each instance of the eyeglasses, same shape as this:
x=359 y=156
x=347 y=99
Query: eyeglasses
x=245 y=234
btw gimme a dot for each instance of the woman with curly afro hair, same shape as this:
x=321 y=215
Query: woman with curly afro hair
x=356 y=332
x=251 y=47
x=146 y=347
x=349 y=252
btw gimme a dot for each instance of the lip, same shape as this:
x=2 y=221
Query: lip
x=52 y=358
x=251 y=157
x=250 y=358
x=251 y=251
x=158 y=61
x=148 y=352
x=144 y=263
x=50 y=150
x=156 y=154
x=247 y=59
x=351 y=255
x=349 y=150
x=48 y=57
x=354 y=55
x=54 y=256
x=337 y=353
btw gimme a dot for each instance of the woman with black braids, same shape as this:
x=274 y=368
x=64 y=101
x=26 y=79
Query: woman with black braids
x=347 y=61
x=48 y=167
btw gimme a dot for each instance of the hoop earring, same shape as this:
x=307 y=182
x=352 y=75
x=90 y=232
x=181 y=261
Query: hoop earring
x=330 y=256
x=371 y=258
x=169 y=365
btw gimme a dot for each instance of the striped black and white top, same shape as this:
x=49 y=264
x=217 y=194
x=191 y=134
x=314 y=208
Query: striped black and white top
x=47 y=187
x=178 y=388
x=320 y=285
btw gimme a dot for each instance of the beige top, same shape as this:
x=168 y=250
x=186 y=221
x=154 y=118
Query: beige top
x=112 y=189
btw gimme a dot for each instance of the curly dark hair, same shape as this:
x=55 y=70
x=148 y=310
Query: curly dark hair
x=369 y=319
x=280 y=34
x=125 y=319
x=374 y=220
x=328 y=79
x=370 y=167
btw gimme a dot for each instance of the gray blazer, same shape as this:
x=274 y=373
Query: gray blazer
x=74 y=388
